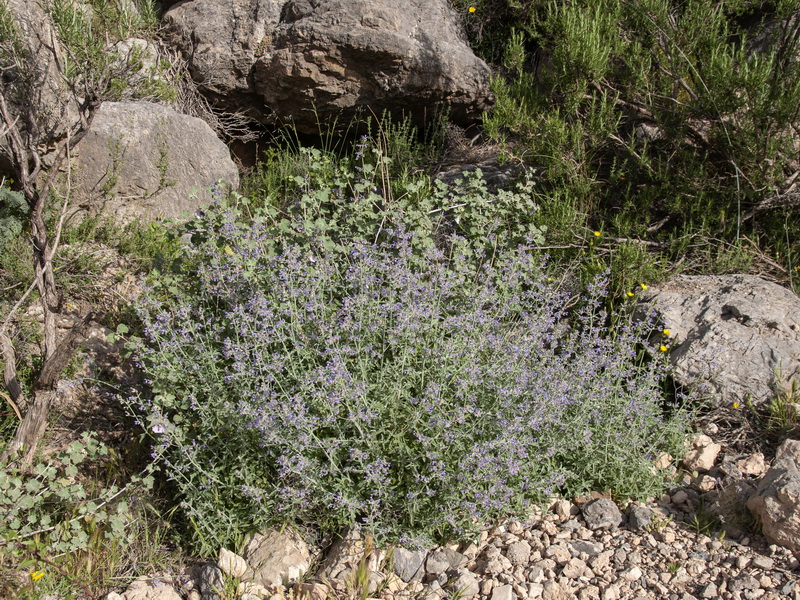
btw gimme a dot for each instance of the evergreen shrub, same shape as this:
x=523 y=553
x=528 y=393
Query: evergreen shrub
x=419 y=391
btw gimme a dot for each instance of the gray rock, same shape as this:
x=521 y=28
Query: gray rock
x=463 y=582
x=314 y=62
x=277 y=557
x=50 y=105
x=602 y=513
x=145 y=588
x=736 y=336
x=639 y=517
x=710 y=591
x=221 y=51
x=437 y=563
x=584 y=547
x=495 y=174
x=456 y=559
x=141 y=160
x=789 y=449
x=210 y=582
x=742 y=583
x=504 y=592
x=518 y=553
x=408 y=564
x=776 y=503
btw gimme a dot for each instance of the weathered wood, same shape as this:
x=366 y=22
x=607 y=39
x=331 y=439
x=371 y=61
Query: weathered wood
x=33 y=426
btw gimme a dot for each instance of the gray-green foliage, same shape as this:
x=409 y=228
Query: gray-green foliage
x=419 y=392
x=52 y=511
x=345 y=196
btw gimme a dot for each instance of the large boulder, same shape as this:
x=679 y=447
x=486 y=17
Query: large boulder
x=314 y=62
x=776 y=504
x=146 y=161
x=221 y=41
x=736 y=336
x=32 y=84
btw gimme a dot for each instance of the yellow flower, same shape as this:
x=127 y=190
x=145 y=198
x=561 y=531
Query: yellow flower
x=631 y=294
x=549 y=279
x=663 y=348
x=597 y=234
x=472 y=9
x=667 y=332
x=735 y=405
x=37 y=575
x=643 y=286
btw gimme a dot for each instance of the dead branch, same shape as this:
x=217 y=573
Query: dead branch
x=786 y=200
x=32 y=427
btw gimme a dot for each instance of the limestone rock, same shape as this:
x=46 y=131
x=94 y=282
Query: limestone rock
x=776 y=503
x=312 y=591
x=702 y=455
x=49 y=103
x=503 y=592
x=408 y=564
x=602 y=513
x=221 y=41
x=141 y=160
x=735 y=336
x=753 y=465
x=231 y=564
x=789 y=449
x=145 y=588
x=277 y=557
x=519 y=553
x=314 y=62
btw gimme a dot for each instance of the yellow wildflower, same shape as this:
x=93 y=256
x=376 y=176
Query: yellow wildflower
x=631 y=294
x=667 y=332
x=735 y=405
x=643 y=286
x=663 y=348
x=597 y=234
x=37 y=575
x=472 y=9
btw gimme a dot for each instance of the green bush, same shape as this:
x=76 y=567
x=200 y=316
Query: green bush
x=655 y=119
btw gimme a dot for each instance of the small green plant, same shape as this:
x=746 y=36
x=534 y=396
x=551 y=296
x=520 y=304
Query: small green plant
x=13 y=216
x=658 y=524
x=54 y=513
x=674 y=567
x=705 y=521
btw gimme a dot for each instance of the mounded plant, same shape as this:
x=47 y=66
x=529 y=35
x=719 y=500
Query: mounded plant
x=420 y=392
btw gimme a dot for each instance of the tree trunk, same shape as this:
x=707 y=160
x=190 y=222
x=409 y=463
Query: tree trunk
x=33 y=426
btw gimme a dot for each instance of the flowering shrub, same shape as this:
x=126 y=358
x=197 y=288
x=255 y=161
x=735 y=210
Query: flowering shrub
x=421 y=394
